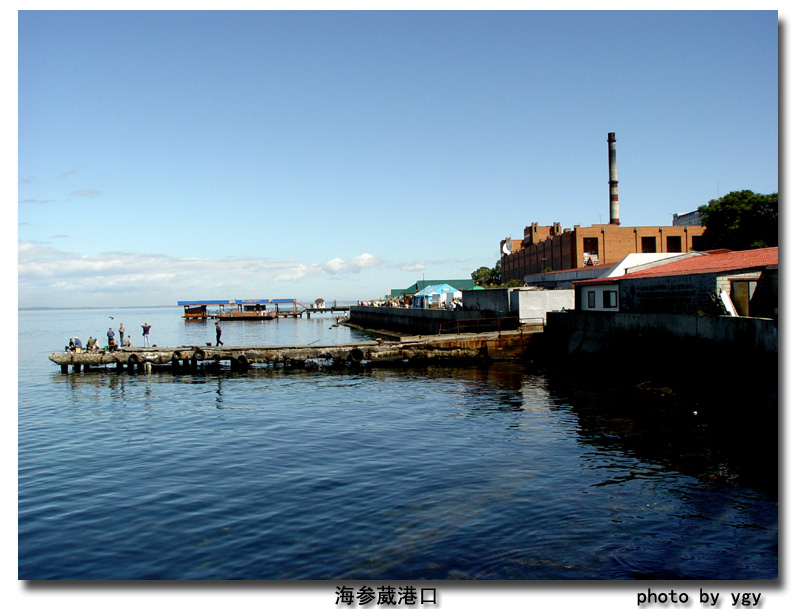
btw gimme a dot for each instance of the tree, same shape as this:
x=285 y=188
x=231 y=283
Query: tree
x=741 y=220
x=486 y=276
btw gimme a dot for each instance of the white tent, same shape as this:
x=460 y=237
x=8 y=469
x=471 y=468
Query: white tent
x=438 y=295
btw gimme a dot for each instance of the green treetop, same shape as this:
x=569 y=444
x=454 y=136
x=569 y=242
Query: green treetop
x=741 y=220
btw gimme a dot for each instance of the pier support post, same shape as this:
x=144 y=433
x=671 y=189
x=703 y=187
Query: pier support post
x=64 y=368
x=75 y=367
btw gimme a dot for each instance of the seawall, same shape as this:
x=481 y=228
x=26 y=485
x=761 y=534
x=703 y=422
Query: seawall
x=430 y=321
x=584 y=332
x=725 y=365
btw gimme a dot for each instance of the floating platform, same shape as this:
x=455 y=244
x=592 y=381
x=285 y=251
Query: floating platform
x=485 y=346
x=266 y=315
x=261 y=309
x=247 y=315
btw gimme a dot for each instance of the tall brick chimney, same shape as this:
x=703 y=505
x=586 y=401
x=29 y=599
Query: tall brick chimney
x=614 y=201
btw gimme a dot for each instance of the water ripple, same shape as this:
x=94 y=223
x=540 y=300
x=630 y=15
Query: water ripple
x=476 y=473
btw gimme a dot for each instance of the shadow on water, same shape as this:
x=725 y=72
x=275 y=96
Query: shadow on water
x=721 y=432
x=719 y=425
x=708 y=425
x=495 y=471
x=716 y=423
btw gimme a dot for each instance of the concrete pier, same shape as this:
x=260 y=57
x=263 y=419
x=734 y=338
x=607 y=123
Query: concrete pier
x=482 y=346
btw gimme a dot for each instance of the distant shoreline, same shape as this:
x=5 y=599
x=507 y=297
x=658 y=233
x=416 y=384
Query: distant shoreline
x=174 y=306
x=93 y=308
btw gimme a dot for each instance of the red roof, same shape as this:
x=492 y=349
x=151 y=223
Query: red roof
x=719 y=262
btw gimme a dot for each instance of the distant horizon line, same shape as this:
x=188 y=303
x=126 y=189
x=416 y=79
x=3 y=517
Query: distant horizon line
x=73 y=308
x=160 y=306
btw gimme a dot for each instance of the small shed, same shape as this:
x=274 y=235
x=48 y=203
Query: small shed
x=252 y=305
x=320 y=303
x=198 y=309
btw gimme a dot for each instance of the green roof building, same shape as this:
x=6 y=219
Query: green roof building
x=459 y=284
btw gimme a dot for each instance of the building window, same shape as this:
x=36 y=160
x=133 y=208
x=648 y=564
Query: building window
x=610 y=299
x=648 y=245
x=591 y=299
x=591 y=251
x=674 y=244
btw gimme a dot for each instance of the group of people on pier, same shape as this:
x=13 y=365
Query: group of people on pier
x=93 y=344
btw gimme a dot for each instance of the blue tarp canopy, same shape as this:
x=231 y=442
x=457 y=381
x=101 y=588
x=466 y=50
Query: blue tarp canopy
x=248 y=301
x=440 y=288
x=423 y=297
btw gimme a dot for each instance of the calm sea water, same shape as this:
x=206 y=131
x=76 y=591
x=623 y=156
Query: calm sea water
x=493 y=472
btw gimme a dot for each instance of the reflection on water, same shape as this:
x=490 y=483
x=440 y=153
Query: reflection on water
x=496 y=472
x=654 y=424
x=694 y=428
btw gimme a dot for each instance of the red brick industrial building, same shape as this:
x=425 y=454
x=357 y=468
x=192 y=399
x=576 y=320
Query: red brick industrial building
x=549 y=248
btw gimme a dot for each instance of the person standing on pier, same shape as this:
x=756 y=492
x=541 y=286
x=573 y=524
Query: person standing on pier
x=110 y=334
x=122 y=333
x=218 y=335
x=145 y=326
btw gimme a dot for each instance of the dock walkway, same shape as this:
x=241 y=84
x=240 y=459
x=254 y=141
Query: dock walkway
x=266 y=315
x=485 y=346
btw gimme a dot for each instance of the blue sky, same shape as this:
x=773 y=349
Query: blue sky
x=184 y=155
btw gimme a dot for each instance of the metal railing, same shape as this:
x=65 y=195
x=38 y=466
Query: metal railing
x=482 y=324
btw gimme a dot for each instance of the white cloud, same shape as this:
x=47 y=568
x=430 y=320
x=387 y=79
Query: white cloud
x=35 y=201
x=68 y=173
x=353 y=265
x=48 y=276
x=413 y=266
